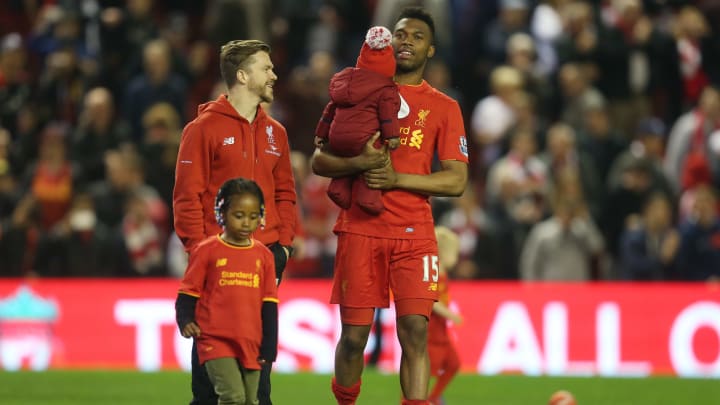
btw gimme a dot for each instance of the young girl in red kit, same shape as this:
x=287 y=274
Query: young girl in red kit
x=228 y=297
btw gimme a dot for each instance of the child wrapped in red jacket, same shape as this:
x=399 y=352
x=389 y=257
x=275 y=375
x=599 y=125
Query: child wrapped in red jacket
x=363 y=100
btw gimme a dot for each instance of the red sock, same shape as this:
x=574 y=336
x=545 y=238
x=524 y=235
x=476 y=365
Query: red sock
x=415 y=402
x=346 y=395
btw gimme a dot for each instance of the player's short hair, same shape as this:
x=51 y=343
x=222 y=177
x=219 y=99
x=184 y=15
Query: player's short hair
x=236 y=55
x=234 y=187
x=419 y=13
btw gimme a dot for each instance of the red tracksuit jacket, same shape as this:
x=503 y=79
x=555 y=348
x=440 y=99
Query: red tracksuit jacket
x=219 y=145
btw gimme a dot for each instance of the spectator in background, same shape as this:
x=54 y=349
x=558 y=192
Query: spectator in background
x=123 y=33
x=512 y=18
x=9 y=193
x=81 y=246
x=307 y=94
x=518 y=182
x=26 y=138
x=546 y=26
x=577 y=94
x=15 y=80
x=522 y=55
x=699 y=256
x=697 y=62
x=99 y=130
x=562 y=247
x=159 y=148
x=157 y=83
x=562 y=153
x=649 y=244
x=603 y=55
x=693 y=147
x=61 y=86
x=474 y=227
x=648 y=146
x=124 y=178
x=318 y=213
x=654 y=64
x=493 y=116
x=144 y=239
x=18 y=239
x=438 y=75
x=53 y=178
x=626 y=201
x=599 y=139
x=516 y=199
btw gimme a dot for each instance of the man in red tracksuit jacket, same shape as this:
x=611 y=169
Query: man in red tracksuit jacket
x=234 y=137
x=363 y=100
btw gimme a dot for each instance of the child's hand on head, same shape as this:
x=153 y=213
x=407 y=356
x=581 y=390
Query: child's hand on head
x=393 y=143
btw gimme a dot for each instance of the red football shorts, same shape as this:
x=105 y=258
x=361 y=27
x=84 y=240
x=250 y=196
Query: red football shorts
x=367 y=269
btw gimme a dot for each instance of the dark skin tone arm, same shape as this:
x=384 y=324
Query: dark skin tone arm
x=326 y=164
x=450 y=181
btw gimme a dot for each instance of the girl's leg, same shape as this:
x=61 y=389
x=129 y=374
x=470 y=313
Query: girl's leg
x=227 y=379
x=251 y=379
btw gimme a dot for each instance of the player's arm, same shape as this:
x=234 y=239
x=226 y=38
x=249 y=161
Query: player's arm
x=449 y=181
x=192 y=172
x=447 y=313
x=325 y=164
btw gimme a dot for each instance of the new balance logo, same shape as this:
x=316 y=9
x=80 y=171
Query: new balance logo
x=229 y=140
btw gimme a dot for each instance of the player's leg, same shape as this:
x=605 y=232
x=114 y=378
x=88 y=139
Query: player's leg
x=359 y=285
x=413 y=280
x=227 y=379
x=349 y=353
x=202 y=388
x=414 y=361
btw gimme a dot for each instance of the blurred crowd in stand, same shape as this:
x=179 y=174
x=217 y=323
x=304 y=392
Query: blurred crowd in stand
x=594 y=129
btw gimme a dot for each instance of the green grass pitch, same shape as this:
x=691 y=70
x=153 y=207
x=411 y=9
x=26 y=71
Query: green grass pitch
x=135 y=388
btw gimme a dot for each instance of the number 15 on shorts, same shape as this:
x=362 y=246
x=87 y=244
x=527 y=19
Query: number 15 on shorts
x=430 y=265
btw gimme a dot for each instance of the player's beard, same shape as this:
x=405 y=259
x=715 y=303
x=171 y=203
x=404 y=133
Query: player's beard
x=410 y=66
x=264 y=92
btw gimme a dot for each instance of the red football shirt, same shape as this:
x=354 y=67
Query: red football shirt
x=430 y=123
x=231 y=283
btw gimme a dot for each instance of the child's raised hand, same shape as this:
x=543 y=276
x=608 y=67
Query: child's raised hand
x=190 y=330
x=393 y=143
